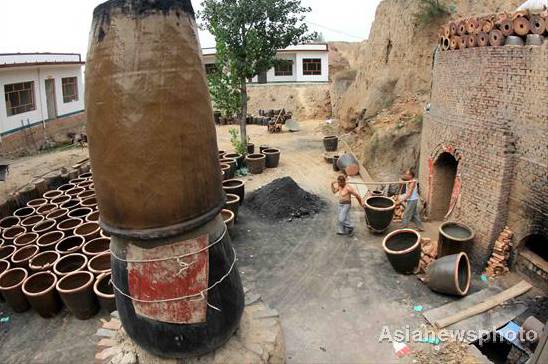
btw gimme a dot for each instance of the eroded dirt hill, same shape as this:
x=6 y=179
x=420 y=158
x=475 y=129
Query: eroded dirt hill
x=381 y=94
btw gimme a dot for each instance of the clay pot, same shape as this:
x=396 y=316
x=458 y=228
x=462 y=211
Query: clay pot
x=227 y=169
x=100 y=263
x=70 y=204
x=348 y=164
x=7 y=251
x=534 y=40
x=67 y=226
x=76 y=181
x=221 y=154
x=45 y=209
x=237 y=157
x=8 y=222
x=454 y=238
x=403 y=250
x=263 y=147
x=48 y=241
x=89 y=202
x=29 y=222
x=87 y=175
x=379 y=211
x=250 y=148
x=58 y=215
x=228 y=218
x=87 y=185
x=232 y=203
x=330 y=143
x=23 y=255
x=25 y=239
x=335 y=167
x=86 y=194
x=39 y=289
x=272 y=157
x=513 y=40
x=450 y=275
x=255 y=163
x=104 y=291
x=70 y=244
x=235 y=186
x=88 y=230
x=76 y=291
x=11 y=233
x=24 y=212
x=37 y=203
x=93 y=217
x=69 y=263
x=73 y=192
x=377 y=193
x=60 y=200
x=44 y=226
x=80 y=213
x=50 y=195
x=44 y=261
x=96 y=246
x=11 y=282
x=4 y=266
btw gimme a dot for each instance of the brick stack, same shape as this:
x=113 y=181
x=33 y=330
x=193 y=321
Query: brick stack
x=498 y=263
x=398 y=212
x=429 y=253
x=491 y=30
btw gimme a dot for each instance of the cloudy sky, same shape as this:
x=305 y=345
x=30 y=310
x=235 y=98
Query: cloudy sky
x=63 y=25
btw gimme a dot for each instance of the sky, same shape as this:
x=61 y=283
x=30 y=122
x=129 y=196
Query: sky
x=63 y=25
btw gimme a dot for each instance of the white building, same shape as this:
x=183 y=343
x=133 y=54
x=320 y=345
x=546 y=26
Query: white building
x=300 y=63
x=38 y=87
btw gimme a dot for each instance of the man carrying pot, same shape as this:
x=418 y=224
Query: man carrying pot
x=344 y=225
x=411 y=196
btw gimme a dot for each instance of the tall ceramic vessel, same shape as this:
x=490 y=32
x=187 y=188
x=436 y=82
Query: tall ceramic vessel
x=153 y=152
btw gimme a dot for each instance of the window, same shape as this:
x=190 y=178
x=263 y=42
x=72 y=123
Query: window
x=210 y=68
x=312 y=66
x=283 y=68
x=19 y=97
x=70 y=89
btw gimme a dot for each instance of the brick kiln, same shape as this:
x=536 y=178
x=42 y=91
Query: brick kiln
x=484 y=148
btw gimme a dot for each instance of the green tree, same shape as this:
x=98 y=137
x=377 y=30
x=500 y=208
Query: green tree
x=248 y=33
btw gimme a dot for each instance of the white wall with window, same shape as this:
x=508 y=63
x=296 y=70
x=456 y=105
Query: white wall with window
x=300 y=63
x=32 y=92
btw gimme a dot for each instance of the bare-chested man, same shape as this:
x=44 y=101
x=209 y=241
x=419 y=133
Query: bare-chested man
x=344 y=226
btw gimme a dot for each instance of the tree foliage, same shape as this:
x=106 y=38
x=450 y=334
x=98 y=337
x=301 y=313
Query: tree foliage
x=248 y=33
x=430 y=11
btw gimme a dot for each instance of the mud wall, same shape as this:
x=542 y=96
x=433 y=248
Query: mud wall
x=306 y=101
x=489 y=110
x=29 y=140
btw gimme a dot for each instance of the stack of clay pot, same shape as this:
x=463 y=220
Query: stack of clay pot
x=519 y=28
x=53 y=252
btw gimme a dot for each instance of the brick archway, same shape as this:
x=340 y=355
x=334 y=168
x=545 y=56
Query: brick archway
x=444 y=181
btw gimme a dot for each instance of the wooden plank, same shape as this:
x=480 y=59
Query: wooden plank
x=486 y=305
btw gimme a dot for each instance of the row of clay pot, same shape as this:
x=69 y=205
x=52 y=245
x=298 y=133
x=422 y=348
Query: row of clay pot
x=81 y=291
x=255 y=162
x=450 y=274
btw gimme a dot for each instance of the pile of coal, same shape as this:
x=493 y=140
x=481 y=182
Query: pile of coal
x=283 y=199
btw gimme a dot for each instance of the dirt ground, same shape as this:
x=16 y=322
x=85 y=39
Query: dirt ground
x=334 y=294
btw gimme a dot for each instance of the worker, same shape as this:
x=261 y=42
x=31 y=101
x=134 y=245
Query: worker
x=411 y=196
x=344 y=225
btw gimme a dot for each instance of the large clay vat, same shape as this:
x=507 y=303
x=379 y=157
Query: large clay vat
x=403 y=250
x=155 y=165
x=348 y=164
x=454 y=238
x=379 y=211
x=450 y=275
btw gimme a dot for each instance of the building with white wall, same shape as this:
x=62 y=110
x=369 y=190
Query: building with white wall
x=39 y=87
x=300 y=63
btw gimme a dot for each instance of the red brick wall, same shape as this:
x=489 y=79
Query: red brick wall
x=490 y=105
x=29 y=140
